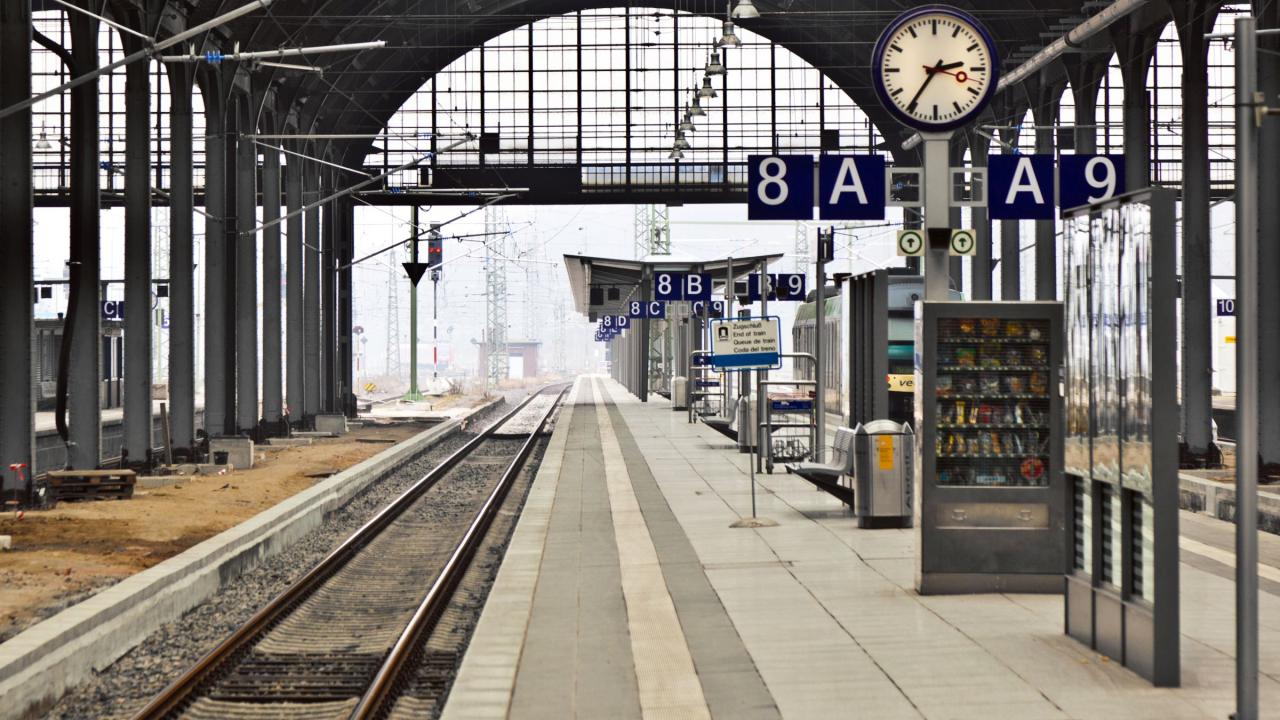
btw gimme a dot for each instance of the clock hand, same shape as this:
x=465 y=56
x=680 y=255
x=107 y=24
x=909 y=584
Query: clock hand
x=940 y=68
x=931 y=71
x=961 y=76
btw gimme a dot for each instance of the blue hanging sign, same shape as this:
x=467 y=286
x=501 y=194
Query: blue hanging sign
x=1085 y=179
x=851 y=187
x=1021 y=187
x=779 y=187
x=668 y=286
x=789 y=287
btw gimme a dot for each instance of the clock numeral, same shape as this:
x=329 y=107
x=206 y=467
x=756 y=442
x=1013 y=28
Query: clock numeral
x=971 y=90
x=912 y=31
x=978 y=68
x=957 y=107
x=896 y=93
x=956 y=31
x=934 y=24
x=971 y=48
x=895 y=48
x=889 y=70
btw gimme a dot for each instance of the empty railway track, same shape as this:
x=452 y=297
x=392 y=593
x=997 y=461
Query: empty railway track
x=377 y=627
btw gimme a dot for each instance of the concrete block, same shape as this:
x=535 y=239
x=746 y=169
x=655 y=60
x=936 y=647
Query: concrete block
x=335 y=424
x=289 y=441
x=239 y=450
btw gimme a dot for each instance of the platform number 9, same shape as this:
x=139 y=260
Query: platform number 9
x=772 y=172
x=1104 y=181
x=795 y=285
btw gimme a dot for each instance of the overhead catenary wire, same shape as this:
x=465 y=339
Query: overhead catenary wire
x=139 y=55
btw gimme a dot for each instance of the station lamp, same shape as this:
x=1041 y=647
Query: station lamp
x=729 y=40
x=707 y=91
x=745 y=10
x=686 y=125
x=696 y=110
x=714 y=66
x=42 y=142
x=676 y=154
x=681 y=142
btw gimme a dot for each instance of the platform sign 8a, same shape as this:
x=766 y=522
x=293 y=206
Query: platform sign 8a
x=780 y=187
x=668 y=286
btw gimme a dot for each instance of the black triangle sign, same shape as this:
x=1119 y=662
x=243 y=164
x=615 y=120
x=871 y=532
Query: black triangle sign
x=415 y=271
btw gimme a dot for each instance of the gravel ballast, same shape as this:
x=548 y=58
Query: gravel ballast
x=122 y=689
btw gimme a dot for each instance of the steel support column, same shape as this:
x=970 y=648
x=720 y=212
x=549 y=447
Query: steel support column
x=311 y=359
x=137 y=261
x=294 y=333
x=980 y=265
x=182 y=346
x=646 y=287
x=329 y=291
x=217 y=272
x=246 y=200
x=272 y=332
x=84 y=359
x=1268 y=347
x=1134 y=48
x=1010 y=236
x=1048 y=97
x=17 y=401
x=345 y=386
x=1193 y=21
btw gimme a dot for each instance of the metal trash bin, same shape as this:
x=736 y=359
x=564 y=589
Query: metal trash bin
x=745 y=419
x=679 y=393
x=883 y=473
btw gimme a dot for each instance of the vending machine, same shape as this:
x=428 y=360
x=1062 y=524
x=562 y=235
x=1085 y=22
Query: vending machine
x=992 y=510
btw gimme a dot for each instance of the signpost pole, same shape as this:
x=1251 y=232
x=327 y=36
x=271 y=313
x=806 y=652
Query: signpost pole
x=435 y=326
x=761 y=375
x=1246 y=371
x=414 y=392
x=819 y=325
x=728 y=313
x=937 y=211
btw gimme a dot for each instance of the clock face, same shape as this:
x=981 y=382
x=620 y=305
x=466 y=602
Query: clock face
x=935 y=68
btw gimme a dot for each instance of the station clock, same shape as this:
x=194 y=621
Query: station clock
x=935 y=68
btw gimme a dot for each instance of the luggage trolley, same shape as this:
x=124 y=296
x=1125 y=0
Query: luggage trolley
x=705 y=388
x=788 y=421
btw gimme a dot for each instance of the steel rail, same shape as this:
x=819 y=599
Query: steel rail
x=174 y=697
x=388 y=678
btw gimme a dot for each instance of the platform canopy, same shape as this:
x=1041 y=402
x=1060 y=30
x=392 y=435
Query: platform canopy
x=587 y=272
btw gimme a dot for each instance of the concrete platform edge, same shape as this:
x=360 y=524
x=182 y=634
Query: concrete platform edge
x=486 y=679
x=38 y=665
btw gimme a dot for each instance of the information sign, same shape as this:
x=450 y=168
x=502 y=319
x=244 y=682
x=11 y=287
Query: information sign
x=652 y=310
x=963 y=242
x=1084 y=179
x=851 y=187
x=1227 y=307
x=788 y=287
x=780 y=187
x=112 y=309
x=668 y=286
x=708 y=308
x=746 y=343
x=911 y=242
x=697 y=286
x=1021 y=187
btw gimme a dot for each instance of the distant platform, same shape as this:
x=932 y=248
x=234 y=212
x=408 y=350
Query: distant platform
x=626 y=594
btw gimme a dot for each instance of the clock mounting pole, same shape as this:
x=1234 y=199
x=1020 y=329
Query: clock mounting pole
x=937 y=214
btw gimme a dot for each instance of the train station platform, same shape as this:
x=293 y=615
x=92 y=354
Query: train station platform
x=626 y=594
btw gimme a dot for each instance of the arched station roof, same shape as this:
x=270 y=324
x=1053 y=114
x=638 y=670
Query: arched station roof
x=360 y=93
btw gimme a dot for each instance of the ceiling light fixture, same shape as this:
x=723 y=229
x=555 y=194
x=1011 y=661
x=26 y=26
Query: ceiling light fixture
x=745 y=10
x=729 y=40
x=676 y=154
x=707 y=91
x=696 y=110
x=42 y=143
x=686 y=125
x=714 y=66
x=681 y=143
